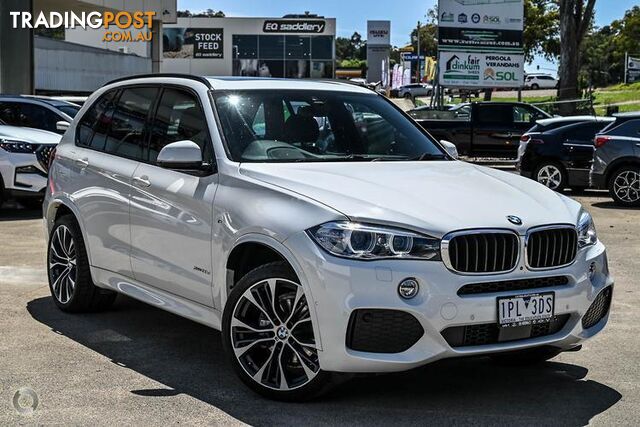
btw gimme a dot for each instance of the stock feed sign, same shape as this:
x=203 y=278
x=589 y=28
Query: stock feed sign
x=489 y=31
x=180 y=42
x=472 y=69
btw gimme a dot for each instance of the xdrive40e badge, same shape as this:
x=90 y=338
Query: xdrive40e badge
x=514 y=220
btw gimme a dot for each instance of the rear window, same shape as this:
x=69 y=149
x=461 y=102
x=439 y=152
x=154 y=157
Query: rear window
x=629 y=128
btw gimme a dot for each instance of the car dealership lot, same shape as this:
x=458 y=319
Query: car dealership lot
x=140 y=365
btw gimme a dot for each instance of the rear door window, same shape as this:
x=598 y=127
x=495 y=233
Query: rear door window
x=93 y=127
x=126 y=135
x=495 y=114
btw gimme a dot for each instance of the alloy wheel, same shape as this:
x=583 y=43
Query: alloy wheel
x=272 y=335
x=62 y=264
x=550 y=176
x=627 y=186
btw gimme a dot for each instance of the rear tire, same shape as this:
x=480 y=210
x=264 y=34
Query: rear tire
x=551 y=175
x=624 y=186
x=253 y=336
x=68 y=270
x=530 y=356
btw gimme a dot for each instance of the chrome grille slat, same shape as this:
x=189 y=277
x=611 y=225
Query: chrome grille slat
x=551 y=247
x=478 y=252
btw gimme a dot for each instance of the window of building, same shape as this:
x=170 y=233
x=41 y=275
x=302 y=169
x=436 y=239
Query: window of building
x=297 y=69
x=245 y=46
x=271 y=47
x=271 y=68
x=322 y=47
x=297 y=47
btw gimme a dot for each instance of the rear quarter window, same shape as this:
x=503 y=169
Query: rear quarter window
x=629 y=128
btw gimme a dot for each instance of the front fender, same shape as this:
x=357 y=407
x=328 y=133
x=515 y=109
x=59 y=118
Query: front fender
x=266 y=240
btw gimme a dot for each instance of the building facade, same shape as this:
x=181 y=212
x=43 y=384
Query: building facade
x=301 y=47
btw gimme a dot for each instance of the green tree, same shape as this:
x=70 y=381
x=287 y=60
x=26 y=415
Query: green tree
x=540 y=35
x=576 y=17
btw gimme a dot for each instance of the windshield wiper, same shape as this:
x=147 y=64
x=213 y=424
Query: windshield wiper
x=428 y=156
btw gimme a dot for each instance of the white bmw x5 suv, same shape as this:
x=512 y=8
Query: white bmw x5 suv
x=318 y=227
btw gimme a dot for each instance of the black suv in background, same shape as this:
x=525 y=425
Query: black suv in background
x=558 y=152
x=616 y=161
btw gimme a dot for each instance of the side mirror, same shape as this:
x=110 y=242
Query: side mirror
x=180 y=155
x=62 y=126
x=451 y=148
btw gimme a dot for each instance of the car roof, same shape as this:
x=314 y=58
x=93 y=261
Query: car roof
x=240 y=83
x=44 y=99
x=253 y=83
x=555 y=120
x=628 y=115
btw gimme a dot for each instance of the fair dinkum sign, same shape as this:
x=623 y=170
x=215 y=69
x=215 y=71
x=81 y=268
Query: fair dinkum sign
x=469 y=69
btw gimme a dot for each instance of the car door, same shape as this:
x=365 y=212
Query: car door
x=578 y=144
x=171 y=210
x=109 y=142
x=493 y=130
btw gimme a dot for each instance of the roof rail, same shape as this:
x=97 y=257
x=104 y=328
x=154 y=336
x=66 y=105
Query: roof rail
x=174 y=75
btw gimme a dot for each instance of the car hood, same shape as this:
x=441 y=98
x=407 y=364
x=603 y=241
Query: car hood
x=34 y=136
x=433 y=196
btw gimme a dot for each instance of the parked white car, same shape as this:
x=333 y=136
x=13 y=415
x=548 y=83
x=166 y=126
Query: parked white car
x=540 y=81
x=360 y=247
x=415 y=90
x=24 y=156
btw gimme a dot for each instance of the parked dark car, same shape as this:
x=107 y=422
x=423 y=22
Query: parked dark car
x=484 y=129
x=558 y=152
x=616 y=161
x=37 y=112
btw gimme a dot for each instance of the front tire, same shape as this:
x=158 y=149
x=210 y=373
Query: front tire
x=535 y=86
x=624 y=186
x=551 y=175
x=268 y=336
x=68 y=270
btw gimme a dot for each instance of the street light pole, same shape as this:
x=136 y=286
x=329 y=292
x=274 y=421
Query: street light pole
x=418 y=37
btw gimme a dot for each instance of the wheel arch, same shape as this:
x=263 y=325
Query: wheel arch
x=56 y=209
x=620 y=163
x=267 y=244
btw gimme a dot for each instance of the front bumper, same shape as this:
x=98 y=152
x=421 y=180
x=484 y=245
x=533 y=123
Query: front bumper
x=22 y=174
x=338 y=287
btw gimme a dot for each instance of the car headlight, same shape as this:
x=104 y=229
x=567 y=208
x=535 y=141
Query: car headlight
x=14 y=146
x=587 y=235
x=371 y=242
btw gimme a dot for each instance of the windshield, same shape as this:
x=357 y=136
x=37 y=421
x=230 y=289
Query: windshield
x=318 y=126
x=69 y=110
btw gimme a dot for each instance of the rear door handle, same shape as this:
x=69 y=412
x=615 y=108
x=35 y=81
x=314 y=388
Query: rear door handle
x=141 y=181
x=82 y=163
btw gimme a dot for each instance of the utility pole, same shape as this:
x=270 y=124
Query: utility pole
x=626 y=64
x=419 y=70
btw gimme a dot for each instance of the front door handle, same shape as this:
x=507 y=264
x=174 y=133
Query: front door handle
x=141 y=181
x=82 y=163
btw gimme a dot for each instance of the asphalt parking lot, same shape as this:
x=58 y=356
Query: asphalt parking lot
x=138 y=365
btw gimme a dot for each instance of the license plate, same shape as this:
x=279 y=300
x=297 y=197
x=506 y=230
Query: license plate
x=526 y=309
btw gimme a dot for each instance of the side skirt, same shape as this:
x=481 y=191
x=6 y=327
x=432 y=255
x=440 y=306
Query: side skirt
x=208 y=316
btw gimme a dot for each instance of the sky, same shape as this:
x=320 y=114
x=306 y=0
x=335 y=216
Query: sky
x=352 y=15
